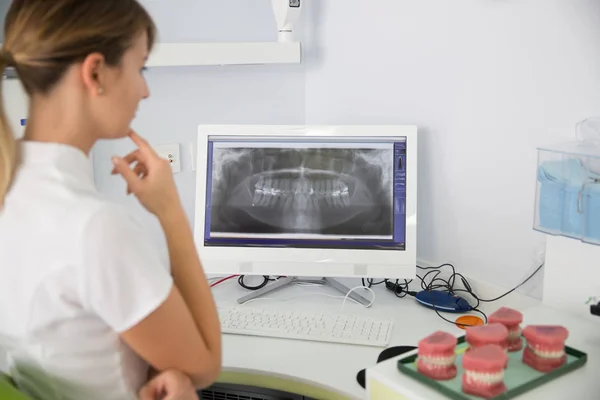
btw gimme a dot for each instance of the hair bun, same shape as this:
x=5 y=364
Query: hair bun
x=7 y=57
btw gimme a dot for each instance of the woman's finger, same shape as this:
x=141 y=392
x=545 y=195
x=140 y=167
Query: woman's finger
x=169 y=385
x=140 y=170
x=141 y=143
x=153 y=390
x=134 y=156
x=147 y=393
x=127 y=173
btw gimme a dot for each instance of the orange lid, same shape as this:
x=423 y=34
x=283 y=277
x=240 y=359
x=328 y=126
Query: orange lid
x=467 y=321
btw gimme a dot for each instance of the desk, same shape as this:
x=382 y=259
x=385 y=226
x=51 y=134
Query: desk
x=582 y=384
x=313 y=369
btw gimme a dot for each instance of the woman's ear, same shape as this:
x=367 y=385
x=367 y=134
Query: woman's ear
x=93 y=74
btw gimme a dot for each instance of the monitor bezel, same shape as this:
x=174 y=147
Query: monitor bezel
x=308 y=261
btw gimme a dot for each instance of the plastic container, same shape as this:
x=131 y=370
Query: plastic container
x=568 y=191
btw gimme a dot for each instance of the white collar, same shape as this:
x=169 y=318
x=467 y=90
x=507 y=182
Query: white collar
x=67 y=159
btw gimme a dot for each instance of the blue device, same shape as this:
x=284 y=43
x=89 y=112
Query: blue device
x=443 y=301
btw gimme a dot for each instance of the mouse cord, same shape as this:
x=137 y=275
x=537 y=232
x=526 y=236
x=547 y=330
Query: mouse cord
x=356 y=288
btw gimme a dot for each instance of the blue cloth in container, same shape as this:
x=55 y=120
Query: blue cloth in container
x=591 y=233
x=569 y=200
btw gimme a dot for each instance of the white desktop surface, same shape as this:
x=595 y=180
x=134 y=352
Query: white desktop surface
x=319 y=370
x=581 y=384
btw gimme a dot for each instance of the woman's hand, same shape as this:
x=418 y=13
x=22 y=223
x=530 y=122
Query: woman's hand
x=169 y=385
x=150 y=180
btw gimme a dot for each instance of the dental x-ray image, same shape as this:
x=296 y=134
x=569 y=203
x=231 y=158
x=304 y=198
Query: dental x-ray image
x=325 y=191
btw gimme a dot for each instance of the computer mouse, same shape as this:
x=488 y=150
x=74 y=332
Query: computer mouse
x=443 y=301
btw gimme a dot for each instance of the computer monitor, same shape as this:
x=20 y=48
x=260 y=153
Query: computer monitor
x=307 y=201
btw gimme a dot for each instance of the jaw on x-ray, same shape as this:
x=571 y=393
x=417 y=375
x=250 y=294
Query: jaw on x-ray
x=346 y=192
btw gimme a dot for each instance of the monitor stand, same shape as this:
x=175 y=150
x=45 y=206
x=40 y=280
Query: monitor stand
x=282 y=282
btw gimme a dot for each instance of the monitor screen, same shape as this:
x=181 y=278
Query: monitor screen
x=306 y=192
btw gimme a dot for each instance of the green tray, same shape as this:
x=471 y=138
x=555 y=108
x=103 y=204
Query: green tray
x=518 y=377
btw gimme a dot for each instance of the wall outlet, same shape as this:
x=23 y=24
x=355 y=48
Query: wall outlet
x=170 y=152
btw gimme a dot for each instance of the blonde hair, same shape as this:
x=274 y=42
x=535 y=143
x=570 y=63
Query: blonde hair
x=8 y=149
x=43 y=38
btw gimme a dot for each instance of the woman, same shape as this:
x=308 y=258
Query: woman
x=85 y=303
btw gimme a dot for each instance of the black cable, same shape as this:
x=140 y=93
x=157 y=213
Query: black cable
x=399 y=289
x=449 y=285
x=482 y=313
x=515 y=288
x=369 y=283
x=264 y=283
x=432 y=281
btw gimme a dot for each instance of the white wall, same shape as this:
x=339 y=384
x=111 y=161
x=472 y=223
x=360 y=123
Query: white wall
x=183 y=98
x=486 y=81
x=572 y=276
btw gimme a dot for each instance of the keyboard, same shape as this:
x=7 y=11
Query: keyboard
x=318 y=327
